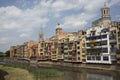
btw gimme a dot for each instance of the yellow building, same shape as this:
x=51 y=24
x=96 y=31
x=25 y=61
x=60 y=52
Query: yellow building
x=82 y=36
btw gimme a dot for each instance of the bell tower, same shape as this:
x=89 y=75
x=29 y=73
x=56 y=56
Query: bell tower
x=105 y=11
x=41 y=35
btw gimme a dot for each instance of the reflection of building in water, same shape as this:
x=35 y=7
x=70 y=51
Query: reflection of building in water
x=98 y=77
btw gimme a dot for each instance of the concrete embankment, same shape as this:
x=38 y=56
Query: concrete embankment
x=78 y=67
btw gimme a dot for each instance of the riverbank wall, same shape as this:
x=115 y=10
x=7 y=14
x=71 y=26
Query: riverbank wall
x=66 y=66
x=78 y=67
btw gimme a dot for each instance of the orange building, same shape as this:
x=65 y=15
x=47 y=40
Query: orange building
x=34 y=51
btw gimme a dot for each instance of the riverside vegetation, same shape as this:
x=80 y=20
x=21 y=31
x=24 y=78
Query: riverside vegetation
x=27 y=73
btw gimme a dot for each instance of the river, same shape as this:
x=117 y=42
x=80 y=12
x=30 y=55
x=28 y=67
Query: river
x=84 y=75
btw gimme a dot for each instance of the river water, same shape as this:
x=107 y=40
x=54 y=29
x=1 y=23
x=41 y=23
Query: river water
x=84 y=75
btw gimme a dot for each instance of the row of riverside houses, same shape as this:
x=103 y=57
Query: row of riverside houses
x=98 y=44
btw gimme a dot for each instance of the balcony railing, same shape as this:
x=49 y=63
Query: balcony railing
x=113 y=50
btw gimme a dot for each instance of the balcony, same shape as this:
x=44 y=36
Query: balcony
x=65 y=51
x=113 y=41
x=74 y=56
x=113 y=50
x=60 y=57
x=94 y=38
x=112 y=37
x=66 y=46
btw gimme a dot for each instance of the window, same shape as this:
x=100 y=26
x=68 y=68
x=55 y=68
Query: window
x=104 y=11
x=42 y=44
x=83 y=55
x=104 y=43
x=113 y=57
x=70 y=58
x=65 y=44
x=93 y=33
x=78 y=58
x=66 y=57
x=119 y=34
x=78 y=42
x=98 y=44
x=104 y=36
x=83 y=51
x=105 y=58
x=104 y=50
x=41 y=49
x=98 y=37
x=93 y=57
x=98 y=58
x=88 y=38
x=65 y=48
x=78 y=52
x=41 y=53
x=62 y=47
x=66 y=53
x=88 y=57
x=78 y=47
x=119 y=40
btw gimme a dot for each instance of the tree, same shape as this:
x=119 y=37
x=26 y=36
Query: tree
x=7 y=53
x=1 y=54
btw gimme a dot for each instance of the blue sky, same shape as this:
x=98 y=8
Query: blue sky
x=20 y=20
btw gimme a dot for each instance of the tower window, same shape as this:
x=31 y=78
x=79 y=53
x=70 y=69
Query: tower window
x=104 y=11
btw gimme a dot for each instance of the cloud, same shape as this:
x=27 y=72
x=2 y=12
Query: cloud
x=76 y=21
x=90 y=10
x=93 y=5
x=24 y=35
x=117 y=17
x=114 y=2
x=23 y=3
x=80 y=20
x=4 y=40
x=13 y=17
x=23 y=22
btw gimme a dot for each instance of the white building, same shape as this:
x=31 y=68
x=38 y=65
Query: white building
x=99 y=42
x=98 y=47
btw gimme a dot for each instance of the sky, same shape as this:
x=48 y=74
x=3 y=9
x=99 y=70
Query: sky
x=21 y=20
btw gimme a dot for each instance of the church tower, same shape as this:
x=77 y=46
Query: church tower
x=105 y=12
x=41 y=35
x=58 y=30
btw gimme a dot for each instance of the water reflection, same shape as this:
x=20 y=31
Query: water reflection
x=98 y=77
x=84 y=75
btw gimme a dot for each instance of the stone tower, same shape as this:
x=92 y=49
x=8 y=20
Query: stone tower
x=58 y=30
x=41 y=35
x=105 y=12
x=105 y=16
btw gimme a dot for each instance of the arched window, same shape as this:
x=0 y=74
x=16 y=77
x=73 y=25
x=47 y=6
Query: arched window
x=104 y=11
